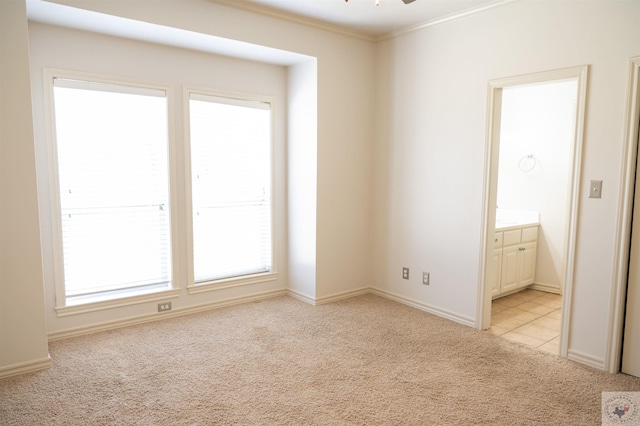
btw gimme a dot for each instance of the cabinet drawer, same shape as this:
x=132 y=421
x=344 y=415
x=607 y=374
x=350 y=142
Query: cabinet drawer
x=530 y=235
x=511 y=237
x=498 y=240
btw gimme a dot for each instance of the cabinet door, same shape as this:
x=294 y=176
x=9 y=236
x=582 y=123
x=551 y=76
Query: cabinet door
x=527 y=268
x=497 y=272
x=509 y=277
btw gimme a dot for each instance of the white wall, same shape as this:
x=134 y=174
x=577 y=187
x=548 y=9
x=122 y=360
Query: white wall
x=23 y=338
x=432 y=109
x=346 y=94
x=302 y=176
x=539 y=120
x=429 y=99
x=63 y=48
x=339 y=192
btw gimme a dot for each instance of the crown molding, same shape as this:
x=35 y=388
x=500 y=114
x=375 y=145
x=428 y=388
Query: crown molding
x=444 y=19
x=323 y=25
x=297 y=19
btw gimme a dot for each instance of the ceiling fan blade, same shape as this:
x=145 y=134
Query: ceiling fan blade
x=408 y=1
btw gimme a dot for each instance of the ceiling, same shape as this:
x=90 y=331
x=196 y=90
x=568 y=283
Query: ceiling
x=363 y=16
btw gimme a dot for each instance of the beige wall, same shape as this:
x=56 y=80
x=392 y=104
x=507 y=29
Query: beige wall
x=410 y=128
x=23 y=332
x=119 y=57
x=335 y=258
x=346 y=94
x=432 y=111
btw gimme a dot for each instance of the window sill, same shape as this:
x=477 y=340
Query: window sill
x=231 y=282
x=134 y=299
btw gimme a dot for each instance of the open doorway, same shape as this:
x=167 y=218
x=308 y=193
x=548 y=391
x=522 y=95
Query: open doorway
x=624 y=353
x=533 y=165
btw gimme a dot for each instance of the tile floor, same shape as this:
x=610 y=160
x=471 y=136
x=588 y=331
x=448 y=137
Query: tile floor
x=530 y=317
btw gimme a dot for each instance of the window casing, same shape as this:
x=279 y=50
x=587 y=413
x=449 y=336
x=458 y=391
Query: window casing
x=113 y=187
x=230 y=153
x=110 y=189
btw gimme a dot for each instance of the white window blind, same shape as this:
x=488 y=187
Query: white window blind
x=230 y=143
x=112 y=149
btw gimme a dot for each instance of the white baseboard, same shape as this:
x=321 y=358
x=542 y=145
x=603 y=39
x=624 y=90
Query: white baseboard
x=328 y=299
x=25 y=367
x=548 y=288
x=141 y=319
x=343 y=295
x=111 y=325
x=471 y=322
x=582 y=358
x=302 y=297
x=38 y=365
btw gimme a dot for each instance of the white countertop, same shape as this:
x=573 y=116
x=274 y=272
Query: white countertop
x=509 y=219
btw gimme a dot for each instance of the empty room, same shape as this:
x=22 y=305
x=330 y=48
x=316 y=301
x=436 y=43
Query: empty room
x=319 y=212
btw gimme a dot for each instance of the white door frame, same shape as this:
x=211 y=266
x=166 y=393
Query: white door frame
x=615 y=327
x=483 y=316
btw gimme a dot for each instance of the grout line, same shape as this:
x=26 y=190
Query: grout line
x=529 y=322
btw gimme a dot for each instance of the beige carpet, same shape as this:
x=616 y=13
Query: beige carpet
x=362 y=361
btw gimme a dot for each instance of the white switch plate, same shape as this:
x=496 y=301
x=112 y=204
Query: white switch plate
x=595 y=189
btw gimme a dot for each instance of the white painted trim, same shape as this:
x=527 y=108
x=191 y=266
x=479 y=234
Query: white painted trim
x=581 y=73
x=328 y=299
x=343 y=295
x=156 y=316
x=142 y=319
x=25 y=367
x=548 y=288
x=187 y=223
x=574 y=204
x=83 y=308
x=582 y=358
x=387 y=295
x=488 y=215
x=232 y=282
x=302 y=297
x=461 y=319
x=335 y=28
x=295 y=18
x=445 y=19
x=49 y=75
x=53 y=187
x=192 y=286
x=623 y=224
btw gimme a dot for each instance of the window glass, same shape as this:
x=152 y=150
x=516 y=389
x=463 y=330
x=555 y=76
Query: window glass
x=112 y=149
x=230 y=143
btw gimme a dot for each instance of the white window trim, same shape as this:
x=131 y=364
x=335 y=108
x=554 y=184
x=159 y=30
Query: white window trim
x=61 y=306
x=200 y=287
x=134 y=299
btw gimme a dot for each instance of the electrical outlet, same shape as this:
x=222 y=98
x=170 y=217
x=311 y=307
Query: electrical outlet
x=162 y=307
x=425 y=278
x=405 y=273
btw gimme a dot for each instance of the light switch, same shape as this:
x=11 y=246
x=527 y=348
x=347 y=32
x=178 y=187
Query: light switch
x=595 y=189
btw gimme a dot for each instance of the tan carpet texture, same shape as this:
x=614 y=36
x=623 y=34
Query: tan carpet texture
x=361 y=361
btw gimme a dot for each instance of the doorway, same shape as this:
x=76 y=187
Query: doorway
x=624 y=354
x=631 y=342
x=533 y=180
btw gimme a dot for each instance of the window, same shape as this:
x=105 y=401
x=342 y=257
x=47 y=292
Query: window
x=112 y=209
x=230 y=143
x=111 y=199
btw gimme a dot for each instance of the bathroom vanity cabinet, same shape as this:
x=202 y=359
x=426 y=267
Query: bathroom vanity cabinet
x=514 y=258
